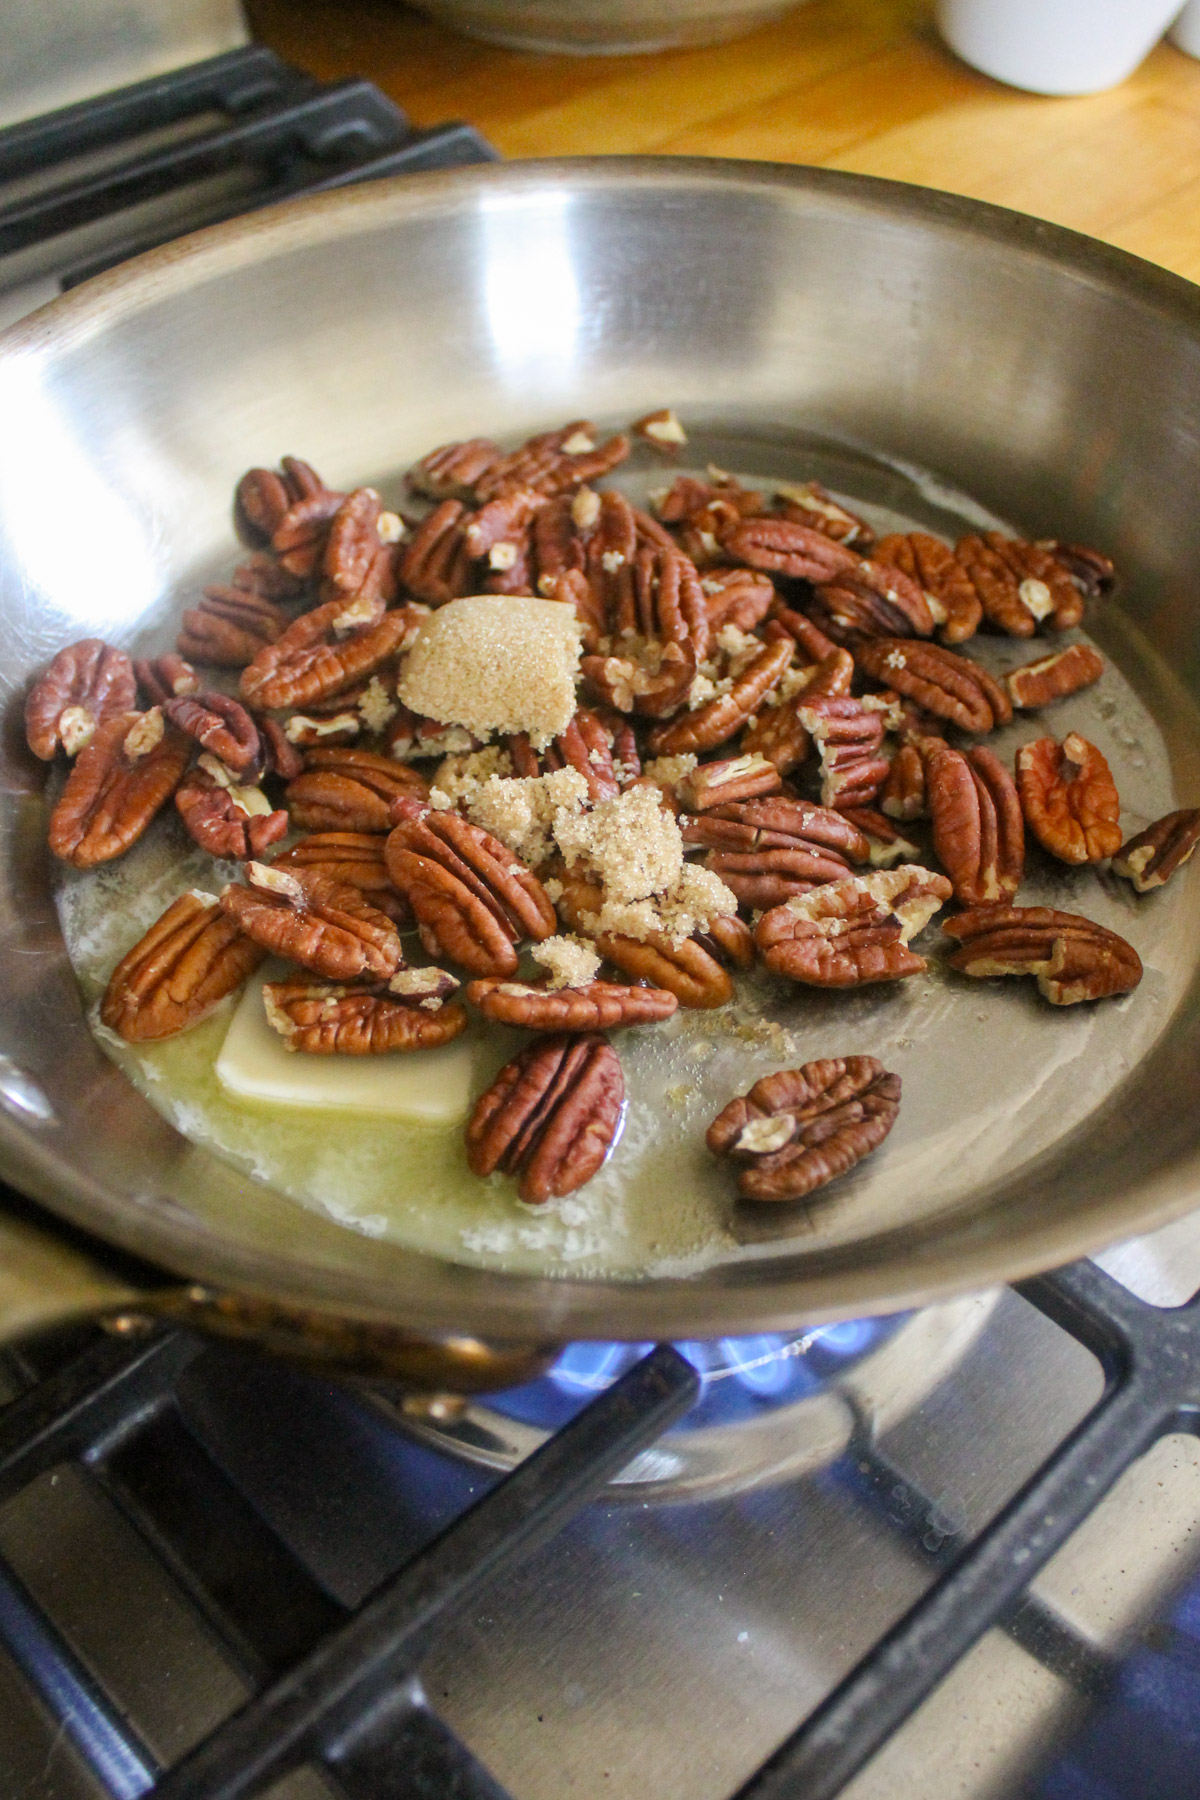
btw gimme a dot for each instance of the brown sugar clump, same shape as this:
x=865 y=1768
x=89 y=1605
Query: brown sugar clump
x=495 y=663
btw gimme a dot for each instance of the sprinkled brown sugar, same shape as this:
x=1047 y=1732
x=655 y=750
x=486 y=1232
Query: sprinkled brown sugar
x=631 y=842
x=496 y=664
x=570 y=960
x=524 y=812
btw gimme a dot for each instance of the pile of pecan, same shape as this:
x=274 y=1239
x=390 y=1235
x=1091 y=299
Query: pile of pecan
x=797 y=691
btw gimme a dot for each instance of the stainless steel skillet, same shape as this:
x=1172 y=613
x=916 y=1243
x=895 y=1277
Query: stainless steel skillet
x=1055 y=379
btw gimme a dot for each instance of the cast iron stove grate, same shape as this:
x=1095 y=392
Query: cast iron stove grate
x=338 y=1689
x=92 y=184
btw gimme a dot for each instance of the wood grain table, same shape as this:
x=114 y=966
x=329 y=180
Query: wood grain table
x=850 y=84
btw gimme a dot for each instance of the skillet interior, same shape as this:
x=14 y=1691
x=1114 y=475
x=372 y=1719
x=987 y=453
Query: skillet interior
x=1056 y=380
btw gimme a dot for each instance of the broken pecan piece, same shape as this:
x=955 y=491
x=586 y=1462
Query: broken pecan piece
x=848 y=734
x=947 y=685
x=130 y=769
x=782 y=547
x=885 y=845
x=220 y=724
x=321 y=1019
x=853 y=931
x=473 y=899
x=1069 y=798
x=776 y=731
x=661 y=430
x=224 y=816
x=436 y=565
x=163 y=677
x=1092 y=572
x=902 y=795
x=949 y=591
x=596 y=1006
x=1020 y=585
x=191 y=959
x=1072 y=958
x=229 y=627
x=353 y=857
x=1152 y=857
x=323 y=925
x=322 y=652
x=550 y=1117
x=803 y=1127
x=344 y=789
x=1054 y=677
x=720 y=718
x=808 y=503
x=85 y=683
x=721 y=783
x=978 y=831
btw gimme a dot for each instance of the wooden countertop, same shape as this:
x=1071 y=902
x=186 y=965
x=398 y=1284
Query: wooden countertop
x=850 y=84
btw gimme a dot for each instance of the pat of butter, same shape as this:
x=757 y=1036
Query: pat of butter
x=429 y=1087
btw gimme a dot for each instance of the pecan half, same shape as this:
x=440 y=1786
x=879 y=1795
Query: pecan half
x=738 y=597
x=848 y=734
x=317 y=655
x=550 y=1117
x=1019 y=585
x=353 y=857
x=554 y=462
x=282 y=758
x=808 y=503
x=722 y=717
x=473 y=899
x=161 y=678
x=782 y=547
x=803 y=1127
x=1092 y=572
x=264 y=497
x=191 y=959
x=648 y=678
x=978 y=831
x=344 y=789
x=1072 y=958
x=1152 y=857
x=872 y=599
x=84 y=684
x=853 y=931
x=943 y=683
x=1069 y=798
x=776 y=732
x=321 y=1019
x=662 y=600
x=1054 y=677
x=690 y=970
x=226 y=817
x=130 y=769
x=221 y=724
x=765 y=851
x=586 y=746
x=902 y=795
x=451 y=471
x=436 y=565
x=597 y=1006
x=323 y=925
x=885 y=845
x=357 y=552
x=949 y=591
x=720 y=783
x=229 y=627
x=300 y=536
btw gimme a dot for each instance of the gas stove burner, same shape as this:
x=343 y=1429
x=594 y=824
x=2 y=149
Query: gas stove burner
x=770 y=1407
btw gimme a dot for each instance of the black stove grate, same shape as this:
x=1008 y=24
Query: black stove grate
x=92 y=184
x=339 y=1688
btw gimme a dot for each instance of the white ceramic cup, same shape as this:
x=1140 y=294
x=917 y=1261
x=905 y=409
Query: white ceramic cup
x=1056 y=46
x=1185 y=33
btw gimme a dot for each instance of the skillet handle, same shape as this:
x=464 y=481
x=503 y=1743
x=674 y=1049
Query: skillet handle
x=50 y=1275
